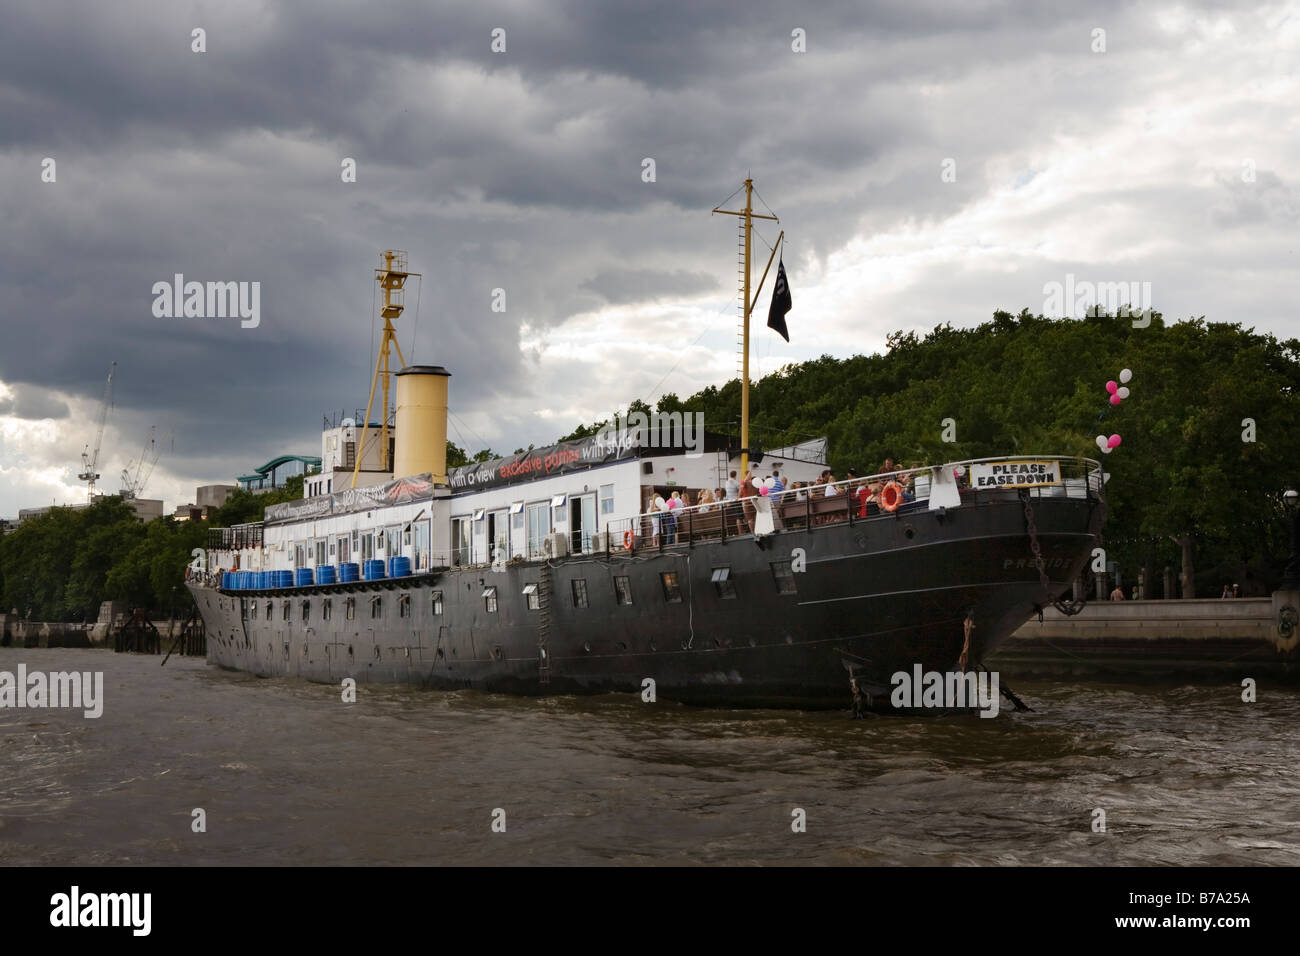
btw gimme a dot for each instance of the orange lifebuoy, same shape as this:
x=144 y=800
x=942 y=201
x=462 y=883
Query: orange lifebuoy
x=891 y=496
x=628 y=539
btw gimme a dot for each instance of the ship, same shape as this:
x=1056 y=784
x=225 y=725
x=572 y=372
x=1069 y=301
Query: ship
x=556 y=570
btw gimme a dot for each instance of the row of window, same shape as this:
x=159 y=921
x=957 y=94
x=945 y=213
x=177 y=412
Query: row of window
x=725 y=588
x=721 y=578
x=521 y=527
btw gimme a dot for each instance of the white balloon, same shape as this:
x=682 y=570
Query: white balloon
x=1103 y=443
x=1123 y=392
x=1126 y=376
x=1107 y=450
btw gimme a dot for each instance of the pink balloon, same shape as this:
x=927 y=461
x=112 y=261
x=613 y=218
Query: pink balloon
x=763 y=489
x=1112 y=386
x=1114 y=441
x=1115 y=399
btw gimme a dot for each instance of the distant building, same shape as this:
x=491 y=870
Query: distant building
x=339 y=447
x=212 y=496
x=146 y=509
x=277 y=471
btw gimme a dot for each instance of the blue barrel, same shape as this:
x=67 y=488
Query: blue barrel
x=399 y=567
x=302 y=577
x=247 y=579
x=374 y=569
x=261 y=580
x=349 y=572
x=324 y=574
x=283 y=579
x=241 y=580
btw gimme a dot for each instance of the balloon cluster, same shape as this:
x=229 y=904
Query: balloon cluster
x=1118 y=392
x=766 y=485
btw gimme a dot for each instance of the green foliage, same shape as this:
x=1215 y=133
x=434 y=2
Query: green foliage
x=1024 y=384
x=62 y=565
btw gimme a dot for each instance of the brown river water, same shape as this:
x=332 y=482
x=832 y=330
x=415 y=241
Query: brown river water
x=286 y=773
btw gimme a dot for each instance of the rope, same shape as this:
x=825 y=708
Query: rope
x=707 y=330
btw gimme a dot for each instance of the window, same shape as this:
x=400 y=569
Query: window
x=393 y=541
x=306 y=611
x=404 y=606
x=579 y=586
x=558 y=510
x=490 y=598
x=460 y=538
x=367 y=546
x=327 y=609
x=375 y=606
x=623 y=590
x=784 y=578
x=421 y=557
x=322 y=557
x=351 y=609
x=284 y=611
x=534 y=602
x=437 y=602
x=672 y=590
x=539 y=526
x=607 y=500
x=722 y=583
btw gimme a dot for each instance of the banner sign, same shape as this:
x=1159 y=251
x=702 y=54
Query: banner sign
x=400 y=491
x=1015 y=474
x=570 y=456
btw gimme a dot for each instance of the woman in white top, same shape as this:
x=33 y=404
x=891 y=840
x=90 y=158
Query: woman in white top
x=651 y=507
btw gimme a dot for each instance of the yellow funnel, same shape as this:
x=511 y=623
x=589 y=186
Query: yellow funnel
x=421 y=422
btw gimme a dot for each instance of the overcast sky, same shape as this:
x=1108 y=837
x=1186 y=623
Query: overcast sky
x=1153 y=142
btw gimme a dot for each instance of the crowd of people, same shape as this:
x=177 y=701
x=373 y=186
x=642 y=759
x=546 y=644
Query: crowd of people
x=734 y=502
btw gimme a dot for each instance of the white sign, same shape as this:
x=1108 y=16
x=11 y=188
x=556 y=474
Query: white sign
x=1015 y=474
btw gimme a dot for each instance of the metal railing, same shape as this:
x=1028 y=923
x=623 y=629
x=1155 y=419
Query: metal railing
x=840 y=502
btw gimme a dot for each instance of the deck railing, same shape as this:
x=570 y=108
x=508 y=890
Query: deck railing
x=1081 y=478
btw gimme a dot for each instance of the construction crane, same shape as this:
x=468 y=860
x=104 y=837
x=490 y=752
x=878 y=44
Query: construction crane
x=90 y=459
x=133 y=481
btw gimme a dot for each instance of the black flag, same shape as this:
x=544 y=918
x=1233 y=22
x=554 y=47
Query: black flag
x=781 y=303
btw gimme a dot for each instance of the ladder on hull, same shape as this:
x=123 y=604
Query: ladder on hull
x=544 y=588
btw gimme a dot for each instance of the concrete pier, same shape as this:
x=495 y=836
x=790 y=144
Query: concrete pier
x=1154 y=639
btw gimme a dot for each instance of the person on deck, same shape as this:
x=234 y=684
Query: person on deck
x=652 y=508
x=733 y=487
x=1117 y=594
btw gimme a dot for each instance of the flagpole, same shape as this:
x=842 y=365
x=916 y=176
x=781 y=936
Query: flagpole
x=749 y=215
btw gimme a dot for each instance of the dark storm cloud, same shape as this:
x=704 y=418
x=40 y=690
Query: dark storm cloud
x=620 y=286
x=519 y=171
x=34 y=403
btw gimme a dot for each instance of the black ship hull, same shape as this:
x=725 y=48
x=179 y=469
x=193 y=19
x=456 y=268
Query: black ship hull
x=796 y=614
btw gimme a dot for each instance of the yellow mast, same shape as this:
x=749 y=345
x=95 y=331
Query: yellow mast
x=747 y=306
x=391 y=276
